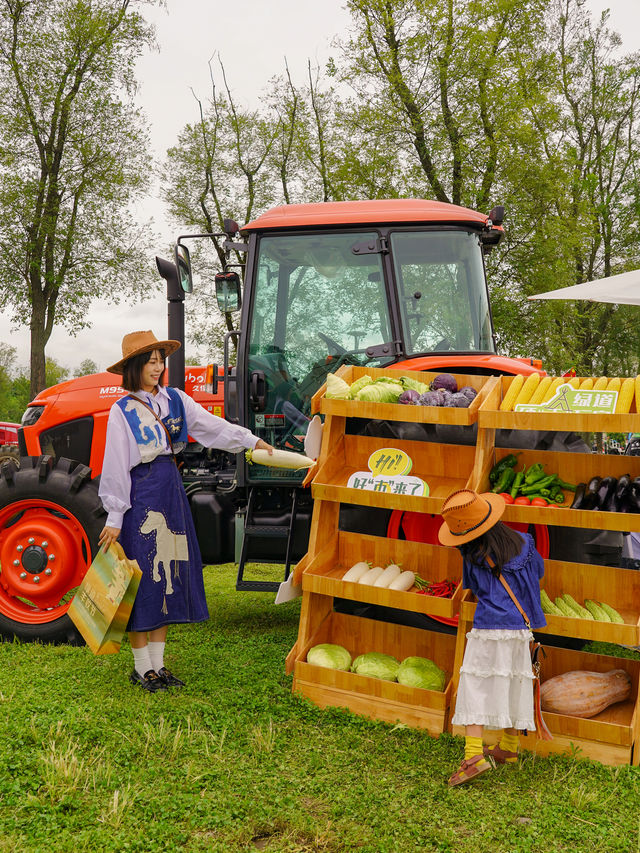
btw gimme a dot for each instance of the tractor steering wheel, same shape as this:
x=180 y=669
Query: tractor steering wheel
x=331 y=343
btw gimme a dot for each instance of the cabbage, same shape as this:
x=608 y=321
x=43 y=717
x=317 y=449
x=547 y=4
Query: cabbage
x=459 y=400
x=360 y=383
x=337 y=388
x=329 y=655
x=469 y=392
x=421 y=672
x=409 y=397
x=380 y=392
x=431 y=398
x=376 y=665
x=414 y=385
x=446 y=381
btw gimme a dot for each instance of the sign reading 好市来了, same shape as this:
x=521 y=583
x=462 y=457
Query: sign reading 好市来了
x=388 y=472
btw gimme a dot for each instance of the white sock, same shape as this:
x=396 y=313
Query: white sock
x=142 y=660
x=156 y=651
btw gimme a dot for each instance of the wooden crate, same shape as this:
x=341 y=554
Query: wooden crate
x=444 y=467
x=489 y=416
x=618 y=587
x=432 y=562
x=397 y=411
x=372 y=697
x=572 y=468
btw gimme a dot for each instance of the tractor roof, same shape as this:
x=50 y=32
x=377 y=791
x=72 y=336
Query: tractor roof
x=371 y=212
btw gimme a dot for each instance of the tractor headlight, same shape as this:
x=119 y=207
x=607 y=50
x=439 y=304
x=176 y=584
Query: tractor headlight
x=31 y=415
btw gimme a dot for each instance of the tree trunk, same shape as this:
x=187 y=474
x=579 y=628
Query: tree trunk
x=37 y=360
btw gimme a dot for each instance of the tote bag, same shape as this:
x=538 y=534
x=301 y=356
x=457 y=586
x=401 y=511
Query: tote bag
x=102 y=605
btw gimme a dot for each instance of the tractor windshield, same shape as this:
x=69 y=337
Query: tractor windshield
x=442 y=291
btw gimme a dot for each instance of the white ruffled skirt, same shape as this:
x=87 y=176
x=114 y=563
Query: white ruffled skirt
x=496 y=681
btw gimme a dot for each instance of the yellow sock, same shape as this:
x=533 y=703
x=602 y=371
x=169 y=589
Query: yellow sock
x=510 y=744
x=472 y=746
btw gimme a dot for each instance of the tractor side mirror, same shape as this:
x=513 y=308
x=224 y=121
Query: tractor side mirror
x=228 y=293
x=183 y=265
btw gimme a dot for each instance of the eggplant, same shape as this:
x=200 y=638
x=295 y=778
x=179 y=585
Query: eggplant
x=607 y=493
x=634 y=495
x=621 y=500
x=591 y=500
x=579 y=496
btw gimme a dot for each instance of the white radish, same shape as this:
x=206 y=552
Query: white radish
x=279 y=459
x=371 y=576
x=389 y=575
x=356 y=572
x=403 y=582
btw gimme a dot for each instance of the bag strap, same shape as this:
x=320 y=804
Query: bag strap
x=510 y=594
x=160 y=421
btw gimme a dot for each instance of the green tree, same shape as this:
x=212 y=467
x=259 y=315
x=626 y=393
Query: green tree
x=73 y=153
x=86 y=367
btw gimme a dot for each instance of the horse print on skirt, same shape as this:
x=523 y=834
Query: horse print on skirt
x=170 y=547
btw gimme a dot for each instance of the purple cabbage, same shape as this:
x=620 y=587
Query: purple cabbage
x=409 y=397
x=459 y=400
x=446 y=382
x=445 y=397
x=469 y=392
x=430 y=398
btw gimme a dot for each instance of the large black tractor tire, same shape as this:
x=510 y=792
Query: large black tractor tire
x=50 y=520
x=9 y=452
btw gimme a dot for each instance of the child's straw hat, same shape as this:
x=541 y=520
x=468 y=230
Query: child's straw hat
x=467 y=515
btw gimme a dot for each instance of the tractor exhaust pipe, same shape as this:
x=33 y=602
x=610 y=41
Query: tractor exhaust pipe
x=175 y=320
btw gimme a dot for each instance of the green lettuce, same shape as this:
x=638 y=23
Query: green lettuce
x=380 y=392
x=360 y=383
x=337 y=388
x=329 y=655
x=421 y=672
x=376 y=665
x=413 y=385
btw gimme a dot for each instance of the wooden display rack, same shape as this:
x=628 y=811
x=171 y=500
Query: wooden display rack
x=612 y=737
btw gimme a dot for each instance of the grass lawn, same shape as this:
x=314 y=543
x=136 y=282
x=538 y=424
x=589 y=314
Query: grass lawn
x=234 y=762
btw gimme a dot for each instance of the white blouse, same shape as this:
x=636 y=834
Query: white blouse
x=122 y=452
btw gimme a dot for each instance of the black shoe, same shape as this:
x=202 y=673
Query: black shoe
x=151 y=681
x=168 y=678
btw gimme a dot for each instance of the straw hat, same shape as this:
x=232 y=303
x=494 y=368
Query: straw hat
x=467 y=515
x=136 y=343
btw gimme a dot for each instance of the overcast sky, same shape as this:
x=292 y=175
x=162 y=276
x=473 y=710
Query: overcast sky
x=252 y=43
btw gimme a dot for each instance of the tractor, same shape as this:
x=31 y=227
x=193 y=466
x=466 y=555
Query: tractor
x=376 y=283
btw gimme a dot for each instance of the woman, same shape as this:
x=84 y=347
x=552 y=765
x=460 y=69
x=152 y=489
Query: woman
x=142 y=492
x=496 y=676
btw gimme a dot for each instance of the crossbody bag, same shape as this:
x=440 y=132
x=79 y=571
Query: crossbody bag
x=160 y=421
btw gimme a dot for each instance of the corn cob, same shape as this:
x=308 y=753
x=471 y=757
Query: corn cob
x=586 y=384
x=574 y=382
x=548 y=606
x=541 y=390
x=600 y=384
x=625 y=396
x=557 y=382
x=562 y=605
x=526 y=392
x=596 y=611
x=637 y=393
x=581 y=611
x=510 y=397
x=613 y=385
x=612 y=613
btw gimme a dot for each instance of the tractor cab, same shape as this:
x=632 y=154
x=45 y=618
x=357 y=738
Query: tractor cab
x=327 y=285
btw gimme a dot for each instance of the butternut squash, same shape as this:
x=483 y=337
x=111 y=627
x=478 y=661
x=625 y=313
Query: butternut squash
x=584 y=694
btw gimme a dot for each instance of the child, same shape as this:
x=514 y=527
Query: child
x=496 y=677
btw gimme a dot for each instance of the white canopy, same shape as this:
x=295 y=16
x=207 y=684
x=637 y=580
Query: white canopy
x=623 y=289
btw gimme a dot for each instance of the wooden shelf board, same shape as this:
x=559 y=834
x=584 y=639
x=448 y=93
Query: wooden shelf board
x=558 y=421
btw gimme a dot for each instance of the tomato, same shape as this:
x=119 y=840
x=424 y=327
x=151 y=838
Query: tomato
x=538 y=502
x=523 y=500
x=507 y=497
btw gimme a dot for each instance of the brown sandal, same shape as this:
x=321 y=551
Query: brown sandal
x=500 y=756
x=469 y=769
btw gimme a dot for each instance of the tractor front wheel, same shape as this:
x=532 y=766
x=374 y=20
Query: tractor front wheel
x=50 y=521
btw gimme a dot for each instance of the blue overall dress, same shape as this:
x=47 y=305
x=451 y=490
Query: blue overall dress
x=158 y=530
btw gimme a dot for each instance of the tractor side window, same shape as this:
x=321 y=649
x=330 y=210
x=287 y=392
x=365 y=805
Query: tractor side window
x=442 y=291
